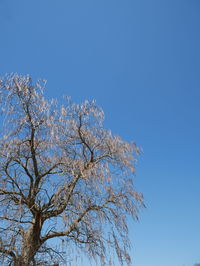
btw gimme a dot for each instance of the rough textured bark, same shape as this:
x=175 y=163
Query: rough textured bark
x=31 y=240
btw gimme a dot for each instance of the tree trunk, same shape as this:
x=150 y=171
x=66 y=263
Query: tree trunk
x=21 y=262
x=31 y=243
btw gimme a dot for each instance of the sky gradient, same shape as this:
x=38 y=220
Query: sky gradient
x=140 y=60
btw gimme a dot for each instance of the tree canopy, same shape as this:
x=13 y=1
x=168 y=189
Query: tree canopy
x=65 y=180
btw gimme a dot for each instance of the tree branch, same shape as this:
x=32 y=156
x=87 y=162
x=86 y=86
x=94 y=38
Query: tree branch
x=75 y=223
x=7 y=252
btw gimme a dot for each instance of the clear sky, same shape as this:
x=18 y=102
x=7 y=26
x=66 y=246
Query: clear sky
x=140 y=60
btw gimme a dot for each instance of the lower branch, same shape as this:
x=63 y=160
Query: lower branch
x=7 y=252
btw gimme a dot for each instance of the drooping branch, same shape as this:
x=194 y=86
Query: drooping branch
x=74 y=224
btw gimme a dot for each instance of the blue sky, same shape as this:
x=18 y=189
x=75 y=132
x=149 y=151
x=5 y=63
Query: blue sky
x=140 y=60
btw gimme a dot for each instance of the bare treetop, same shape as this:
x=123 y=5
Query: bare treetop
x=64 y=177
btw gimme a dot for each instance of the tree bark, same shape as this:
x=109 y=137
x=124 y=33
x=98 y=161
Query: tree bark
x=31 y=243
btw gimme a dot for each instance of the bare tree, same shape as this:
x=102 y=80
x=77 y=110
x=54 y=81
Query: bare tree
x=65 y=181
